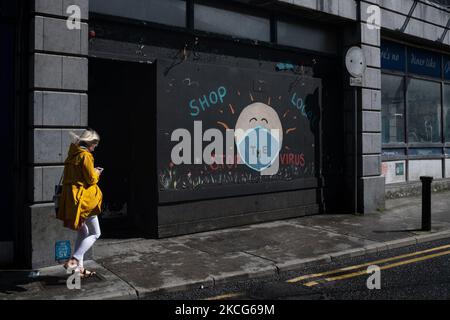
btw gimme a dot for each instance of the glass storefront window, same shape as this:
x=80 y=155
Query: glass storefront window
x=169 y=12
x=231 y=23
x=425 y=152
x=392 y=108
x=420 y=101
x=447 y=112
x=424 y=105
x=306 y=36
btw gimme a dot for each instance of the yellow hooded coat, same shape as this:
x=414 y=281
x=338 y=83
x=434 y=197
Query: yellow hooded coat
x=81 y=197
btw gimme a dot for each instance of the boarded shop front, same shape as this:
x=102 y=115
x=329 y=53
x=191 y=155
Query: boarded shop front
x=200 y=110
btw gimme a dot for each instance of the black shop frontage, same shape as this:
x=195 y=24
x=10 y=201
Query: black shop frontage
x=176 y=102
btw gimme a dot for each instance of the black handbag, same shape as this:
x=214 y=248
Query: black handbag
x=58 y=191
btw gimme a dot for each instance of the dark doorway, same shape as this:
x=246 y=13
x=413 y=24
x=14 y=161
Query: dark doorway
x=335 y=195
x=120 y=92
x=7 y=32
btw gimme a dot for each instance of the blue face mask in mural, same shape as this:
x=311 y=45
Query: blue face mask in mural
x=259 y=148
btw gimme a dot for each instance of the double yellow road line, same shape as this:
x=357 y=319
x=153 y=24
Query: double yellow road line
x=226 y=296
x=312 y=280
x=346 y=273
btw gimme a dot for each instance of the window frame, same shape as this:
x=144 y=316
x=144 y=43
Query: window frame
x=406 y=146
x=398 y=145
x=444 y=131
x=233 y=8
x=424 y=144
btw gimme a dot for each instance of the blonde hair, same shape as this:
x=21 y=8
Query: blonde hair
x=89 y=137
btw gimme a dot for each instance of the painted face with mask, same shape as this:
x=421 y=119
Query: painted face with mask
x=259 y=137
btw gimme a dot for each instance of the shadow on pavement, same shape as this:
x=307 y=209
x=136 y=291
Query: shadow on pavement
x=12 y=282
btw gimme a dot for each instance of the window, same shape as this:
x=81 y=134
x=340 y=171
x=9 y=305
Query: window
x=415 y=101
x=393 y=109
x=424 y=116
x=170 y=12
x=306 y=37
x=425 y=152
x=447 y=112
x=231 y=23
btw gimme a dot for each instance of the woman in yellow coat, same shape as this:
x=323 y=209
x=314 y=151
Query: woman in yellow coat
x=81 y=198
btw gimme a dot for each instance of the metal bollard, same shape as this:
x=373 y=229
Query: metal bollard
x=426 y=203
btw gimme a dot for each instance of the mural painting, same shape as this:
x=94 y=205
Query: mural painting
x=205 y=100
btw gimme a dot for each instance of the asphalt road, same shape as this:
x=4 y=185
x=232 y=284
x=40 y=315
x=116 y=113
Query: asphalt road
x=415 y=272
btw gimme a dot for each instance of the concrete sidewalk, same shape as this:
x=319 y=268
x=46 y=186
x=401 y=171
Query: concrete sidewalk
x=140 y=268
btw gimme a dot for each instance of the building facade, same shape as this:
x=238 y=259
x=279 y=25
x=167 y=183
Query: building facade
x=164 y=80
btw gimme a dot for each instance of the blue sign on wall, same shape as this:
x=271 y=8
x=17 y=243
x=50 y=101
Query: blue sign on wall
x=424 y=62
x=393 y=56
x=62 y=250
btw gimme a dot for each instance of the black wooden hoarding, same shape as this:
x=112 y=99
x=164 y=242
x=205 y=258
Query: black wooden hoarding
x=217 y=96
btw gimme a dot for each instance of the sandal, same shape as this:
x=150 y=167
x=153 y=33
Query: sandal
x=85 y=273
x=70 y=264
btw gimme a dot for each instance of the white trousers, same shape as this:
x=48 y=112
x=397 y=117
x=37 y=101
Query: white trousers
x=88 y=233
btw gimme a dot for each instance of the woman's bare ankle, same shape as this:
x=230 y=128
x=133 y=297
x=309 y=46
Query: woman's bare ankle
x=72 y=261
